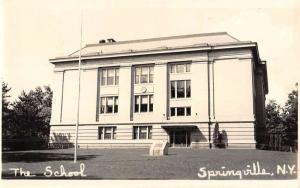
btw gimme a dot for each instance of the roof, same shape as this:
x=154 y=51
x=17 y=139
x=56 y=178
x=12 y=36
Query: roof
x=155 y=43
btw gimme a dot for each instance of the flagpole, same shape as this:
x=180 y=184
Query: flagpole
x=78 y=99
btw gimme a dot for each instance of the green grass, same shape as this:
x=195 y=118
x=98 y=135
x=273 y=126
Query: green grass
x=181 y=163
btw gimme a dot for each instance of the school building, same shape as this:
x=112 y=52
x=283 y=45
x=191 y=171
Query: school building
x=174 y=89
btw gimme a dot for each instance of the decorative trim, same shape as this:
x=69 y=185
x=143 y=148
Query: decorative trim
x=161 y=51
x=155 y=123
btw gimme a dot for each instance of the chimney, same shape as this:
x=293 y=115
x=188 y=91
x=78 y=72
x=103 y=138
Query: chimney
x=111 y=40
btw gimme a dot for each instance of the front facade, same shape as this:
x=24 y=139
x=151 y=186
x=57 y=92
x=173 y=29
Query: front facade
x=181 y=89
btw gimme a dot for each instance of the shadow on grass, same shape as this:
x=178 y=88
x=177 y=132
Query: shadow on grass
x=29 y=157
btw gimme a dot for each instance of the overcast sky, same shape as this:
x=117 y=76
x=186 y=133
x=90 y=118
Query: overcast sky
x=38 y=30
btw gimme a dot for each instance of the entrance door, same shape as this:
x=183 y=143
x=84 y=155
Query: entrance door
x=180 y=138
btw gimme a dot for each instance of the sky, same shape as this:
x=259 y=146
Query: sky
x=35 y=31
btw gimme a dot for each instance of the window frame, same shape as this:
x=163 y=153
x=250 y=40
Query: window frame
x=104 y=76
x=176 y=89
x=138 y=77
x=138 y=98
x=136 y=132
x=102 y=132
x=103 y=99
x=185 y=111
x=173 y=67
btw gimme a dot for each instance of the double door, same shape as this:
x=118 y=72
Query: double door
x=180 y=138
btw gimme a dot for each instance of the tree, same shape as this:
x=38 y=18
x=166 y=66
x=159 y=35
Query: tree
x=30 y=119
x=6 y=111
x=290 y=117
x=273 y=116
x=276 y=130
x=5 y=96
x=281 y=123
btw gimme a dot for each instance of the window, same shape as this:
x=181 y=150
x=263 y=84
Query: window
x=151 y=74
x=173 y=68
x=137 y=73
x=173 y=90
x=143 y=74
x=188 y=88
x=103 y=77
x=109 y=105
x=117 y=76
x=180 y=111
x=151 y=103
x=188 y=67
x=188 y=111
x=106 y=133
x=142 y=132
x=136 y=103
x=110 y=76
x=173 y=111
x=180 y=67
x=116 y=104
x=143 y=103
x=180 y=89
x=102 y=108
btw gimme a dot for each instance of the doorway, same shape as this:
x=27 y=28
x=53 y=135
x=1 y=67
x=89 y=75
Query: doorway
x=180 y=138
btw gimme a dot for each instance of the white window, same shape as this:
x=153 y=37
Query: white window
x=109 y=76
x=180 y=67
x=180 y=111
x=142 y=132
x=106 y=133
x=180 y=89
x=143 y=74
x=116 y=76
x=188 y=67
x=173 y=68
x=109 y=105
x=143 y=103
x=151 y=74
x=103 y=76
x=150 y=103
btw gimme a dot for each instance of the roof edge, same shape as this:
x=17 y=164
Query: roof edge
x=160 y=38
x=195 y=48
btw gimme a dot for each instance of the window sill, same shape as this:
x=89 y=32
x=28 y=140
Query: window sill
x=180 y=99
x=143 y=84
x=142 y=113
x=182 y=73
x=112 y=114
x=107 y=86
x=178 y=116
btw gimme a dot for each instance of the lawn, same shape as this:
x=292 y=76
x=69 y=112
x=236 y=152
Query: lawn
x=181 y=163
